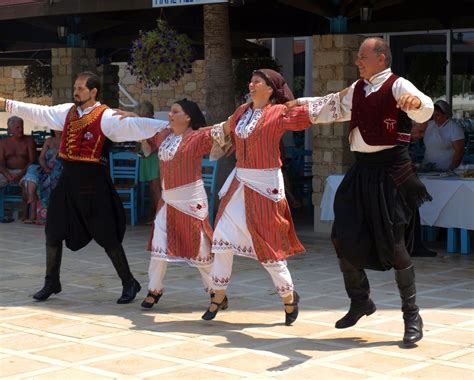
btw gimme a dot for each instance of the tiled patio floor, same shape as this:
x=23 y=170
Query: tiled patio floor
x=83 y=334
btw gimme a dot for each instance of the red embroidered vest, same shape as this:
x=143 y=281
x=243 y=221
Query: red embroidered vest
x=377 y=115
x=82 y=138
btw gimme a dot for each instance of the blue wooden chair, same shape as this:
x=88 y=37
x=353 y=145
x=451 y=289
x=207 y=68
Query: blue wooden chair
x=40 y=137
x=465 y=241
x=124 y=172
x=429 y=233
x=302 y=167
x=417 y=150
x=4 y=133
x=144 y=196
x=469 y=149
x=9 y=194
x=209 y=177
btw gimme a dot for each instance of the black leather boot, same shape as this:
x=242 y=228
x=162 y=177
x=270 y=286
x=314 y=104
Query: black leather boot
x=358 y=290
x=130 y=286
x=52 y=285
x=130 y=290
x=413 y=323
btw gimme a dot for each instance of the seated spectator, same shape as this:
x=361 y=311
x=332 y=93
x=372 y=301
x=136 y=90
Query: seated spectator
x=41 y=179
x=443 y=139
x=16 y=153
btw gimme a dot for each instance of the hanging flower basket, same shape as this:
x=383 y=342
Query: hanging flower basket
x=160 y=55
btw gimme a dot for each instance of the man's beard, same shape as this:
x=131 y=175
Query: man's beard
x=80 y=103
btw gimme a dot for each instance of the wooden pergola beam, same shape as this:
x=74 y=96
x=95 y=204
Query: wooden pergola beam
x=66 y=7
x=320 y=8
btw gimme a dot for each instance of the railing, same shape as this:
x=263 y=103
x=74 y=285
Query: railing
x=133 y=103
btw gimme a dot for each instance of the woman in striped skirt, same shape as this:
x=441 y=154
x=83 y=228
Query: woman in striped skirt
x=181 y=230
x=254 y=219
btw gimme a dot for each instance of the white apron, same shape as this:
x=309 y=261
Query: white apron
x=231 y=233
x=190 y=199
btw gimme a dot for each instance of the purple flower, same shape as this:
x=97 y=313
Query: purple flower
x=160 y=55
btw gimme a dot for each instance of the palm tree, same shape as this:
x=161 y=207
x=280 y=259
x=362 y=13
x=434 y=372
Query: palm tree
x=220 y=101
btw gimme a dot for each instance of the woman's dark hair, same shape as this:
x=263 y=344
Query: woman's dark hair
x=191 y=109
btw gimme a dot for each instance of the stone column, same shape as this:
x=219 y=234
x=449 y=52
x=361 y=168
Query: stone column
x=66 y=63
x=110 y=90
x=219 y=85
x=333 y=70
x=220 y=102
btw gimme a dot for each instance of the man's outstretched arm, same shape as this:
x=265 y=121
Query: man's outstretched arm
x=120 y=129
x=52 y=117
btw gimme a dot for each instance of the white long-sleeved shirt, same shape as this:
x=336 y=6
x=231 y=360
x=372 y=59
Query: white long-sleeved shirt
x=54 y=117
x=400 y=86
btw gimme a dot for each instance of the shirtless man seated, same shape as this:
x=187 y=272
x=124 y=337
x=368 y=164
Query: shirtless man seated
x=16 y=153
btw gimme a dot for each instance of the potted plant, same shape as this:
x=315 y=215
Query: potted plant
x=160 y=55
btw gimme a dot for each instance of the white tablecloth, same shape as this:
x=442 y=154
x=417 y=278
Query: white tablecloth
x=452 y=205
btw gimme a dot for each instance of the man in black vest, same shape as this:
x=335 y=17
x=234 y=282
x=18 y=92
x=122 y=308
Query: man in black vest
x=376 y=202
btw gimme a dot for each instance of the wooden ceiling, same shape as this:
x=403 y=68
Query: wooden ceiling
x=29 y=27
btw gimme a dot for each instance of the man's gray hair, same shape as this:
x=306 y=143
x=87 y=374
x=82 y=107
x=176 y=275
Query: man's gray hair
x=145 y=109
x=12 y=120
x=381 y=47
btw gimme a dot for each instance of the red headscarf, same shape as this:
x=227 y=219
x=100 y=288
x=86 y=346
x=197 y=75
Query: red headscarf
x=281 y=91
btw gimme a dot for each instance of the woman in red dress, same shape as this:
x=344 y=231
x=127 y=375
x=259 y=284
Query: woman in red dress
x=254 y=219
x=181 y=229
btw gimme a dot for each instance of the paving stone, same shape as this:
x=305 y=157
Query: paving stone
x=82 y=333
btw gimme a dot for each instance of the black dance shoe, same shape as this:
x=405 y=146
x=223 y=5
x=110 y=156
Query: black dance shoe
x=291 y=317
x=356 y=312
x=208 y=315
x=48 y=289
x=149 y=305
x=413 y=329
x=130 y=290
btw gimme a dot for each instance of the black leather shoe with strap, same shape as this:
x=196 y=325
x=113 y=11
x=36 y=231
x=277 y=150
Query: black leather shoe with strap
x=291 y=317
x=208 y=315
x=155 y=297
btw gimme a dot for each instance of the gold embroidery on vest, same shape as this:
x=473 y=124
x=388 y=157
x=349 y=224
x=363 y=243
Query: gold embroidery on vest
x=96 y=145
x=75 y=125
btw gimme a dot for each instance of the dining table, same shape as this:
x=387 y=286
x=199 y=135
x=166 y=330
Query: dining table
x=452 y=206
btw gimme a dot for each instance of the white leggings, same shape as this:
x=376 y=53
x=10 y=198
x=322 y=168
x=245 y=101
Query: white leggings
x=278 y=270
x=157 y=272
